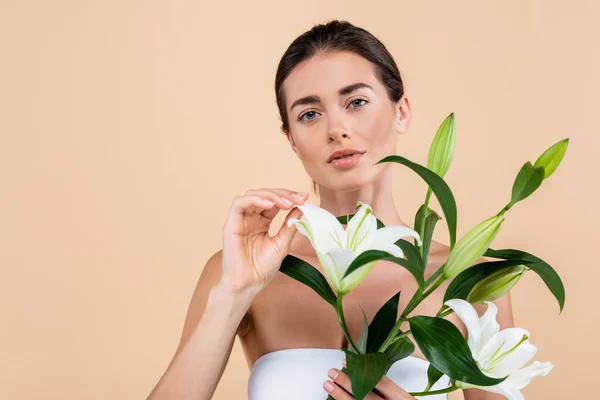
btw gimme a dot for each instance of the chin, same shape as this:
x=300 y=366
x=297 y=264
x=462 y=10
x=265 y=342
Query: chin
x=353 y=179
x=348 y=183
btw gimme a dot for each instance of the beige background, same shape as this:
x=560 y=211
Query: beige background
x=128 y=126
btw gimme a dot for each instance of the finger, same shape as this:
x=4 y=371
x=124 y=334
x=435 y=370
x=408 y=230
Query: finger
x=247 y=204
x=289 y=195
x=284 y=199
x=387 y=389
x=336 y=392
x=286 y=233
x=390 y=389
x=281 y=201
x=343 y=380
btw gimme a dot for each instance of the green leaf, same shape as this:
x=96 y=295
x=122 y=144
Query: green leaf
x=438 y=186
x=461 y=285
x=398 y=350
x=362 y=341
x=411 y=253
x=537 y=265
x=444 y=346
x=527 y=181
x=305 y=273
x=431 y=218
x=420 y=218
x=441 y=150
x=551 y=158
x=345 y=218
x=382 y=323
x=375 y=255
x=433 y=375
x=365 y=371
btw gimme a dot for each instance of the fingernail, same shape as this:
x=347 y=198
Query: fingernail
x=286 y=201
x=333 y=373
x=269 y=202
x=300 y=195
x=328 y=387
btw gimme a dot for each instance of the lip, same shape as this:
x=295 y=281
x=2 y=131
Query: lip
x=344 y=152
x=347 y=162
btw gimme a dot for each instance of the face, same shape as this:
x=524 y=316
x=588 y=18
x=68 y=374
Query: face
x=334 y=101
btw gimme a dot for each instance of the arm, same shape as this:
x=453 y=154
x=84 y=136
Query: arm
x=505 y=320
x=227 y=286
x=214 y=315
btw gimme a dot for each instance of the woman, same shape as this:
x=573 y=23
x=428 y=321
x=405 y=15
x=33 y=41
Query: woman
x=342 y=106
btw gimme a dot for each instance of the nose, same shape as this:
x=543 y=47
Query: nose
x=336 y=135
x=337 y=128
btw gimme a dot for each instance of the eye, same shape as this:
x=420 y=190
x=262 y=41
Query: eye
x=357 y=100
x=301 y=117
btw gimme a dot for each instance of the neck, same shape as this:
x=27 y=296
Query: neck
x=378 y=195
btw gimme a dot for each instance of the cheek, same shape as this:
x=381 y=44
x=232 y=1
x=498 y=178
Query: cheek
x=310 y=155
x=381 y=133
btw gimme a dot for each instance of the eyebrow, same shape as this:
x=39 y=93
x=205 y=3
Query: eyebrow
x=343 y=91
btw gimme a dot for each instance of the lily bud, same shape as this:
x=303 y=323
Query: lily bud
x=496 y=285
x=472 y=246
x=552 y=157
x=442 y=147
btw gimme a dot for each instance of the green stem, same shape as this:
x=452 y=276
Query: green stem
x=441 y=310
x=391 y=337
x=505 y=209
x=444 y=314
x=433 y=277
x=446 y=390
x=435 y=286
x=342 y=321
x=418 y=297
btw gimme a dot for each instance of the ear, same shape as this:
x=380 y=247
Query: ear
x=403 y=114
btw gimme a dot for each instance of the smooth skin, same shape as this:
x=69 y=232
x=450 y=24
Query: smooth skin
x=240 y=290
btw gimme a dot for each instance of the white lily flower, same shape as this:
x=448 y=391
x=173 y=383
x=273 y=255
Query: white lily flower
x=336 y=248
x=498 y=353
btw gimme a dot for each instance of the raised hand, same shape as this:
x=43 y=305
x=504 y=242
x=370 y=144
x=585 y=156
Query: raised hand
x=251 y=258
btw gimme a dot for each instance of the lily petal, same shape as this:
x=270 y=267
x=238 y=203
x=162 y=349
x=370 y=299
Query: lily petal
x=352 y=280
x=338 y=260
x=493 y=389
x=305 y=228
x=467 y=313
x=360 y=227
x=488 y=323
x=327 y=230
x=505 y=341
x=391 y=234
x=499 y=354
x=342 y=258
x=513 y=361
x=388 y=248
x=521 y=378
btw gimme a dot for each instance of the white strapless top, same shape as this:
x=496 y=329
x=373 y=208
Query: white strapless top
x=299 y=374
